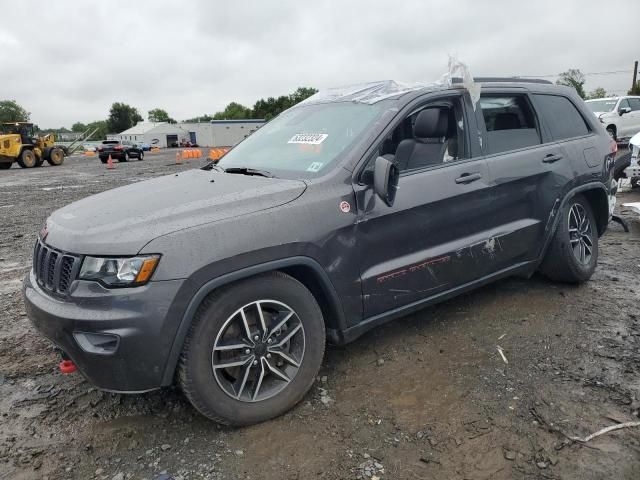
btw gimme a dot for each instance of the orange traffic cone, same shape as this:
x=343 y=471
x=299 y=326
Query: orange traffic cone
x=178 y=158
x=110 y=165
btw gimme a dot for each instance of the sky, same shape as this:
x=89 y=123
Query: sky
x=69 y=60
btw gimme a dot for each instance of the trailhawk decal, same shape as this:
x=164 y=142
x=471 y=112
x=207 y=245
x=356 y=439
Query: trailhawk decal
x=308 y=138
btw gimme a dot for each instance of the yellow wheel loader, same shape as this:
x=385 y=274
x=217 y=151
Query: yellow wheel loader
x=19 y=144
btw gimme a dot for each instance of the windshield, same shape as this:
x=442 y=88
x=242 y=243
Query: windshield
x=304 y=141
x=602 y=105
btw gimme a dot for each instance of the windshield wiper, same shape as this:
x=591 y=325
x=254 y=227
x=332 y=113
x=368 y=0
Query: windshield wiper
x=249 y=171
x=212 y=166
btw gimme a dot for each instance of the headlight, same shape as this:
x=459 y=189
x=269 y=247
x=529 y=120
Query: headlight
x=119 y=272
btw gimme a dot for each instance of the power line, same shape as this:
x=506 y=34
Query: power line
x=614 y=72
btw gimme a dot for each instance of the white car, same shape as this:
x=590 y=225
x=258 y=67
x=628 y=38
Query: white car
x=619 y=115
x=632 y=172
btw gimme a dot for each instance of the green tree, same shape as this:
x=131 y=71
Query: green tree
x=203 y=118
x=233 y=111
x=270 y=107
x=160 y=115
x=78 y=127
x=573 y=78
x=10 y=111
x=597 y=93
x=101 y=132
x=122 y=117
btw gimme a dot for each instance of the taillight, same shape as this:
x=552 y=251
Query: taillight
x=614 y=146
x=117 y=147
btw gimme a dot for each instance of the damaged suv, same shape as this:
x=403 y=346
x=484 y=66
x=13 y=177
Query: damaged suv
x=353 y=208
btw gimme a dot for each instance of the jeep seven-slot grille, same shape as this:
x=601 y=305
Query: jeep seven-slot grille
x=54 y=270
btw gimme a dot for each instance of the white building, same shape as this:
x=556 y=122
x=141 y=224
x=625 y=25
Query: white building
x=217 y=133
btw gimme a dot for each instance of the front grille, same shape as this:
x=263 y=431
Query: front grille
x=54 y=270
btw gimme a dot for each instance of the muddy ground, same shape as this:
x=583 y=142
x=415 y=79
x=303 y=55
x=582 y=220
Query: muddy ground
x=426 y=397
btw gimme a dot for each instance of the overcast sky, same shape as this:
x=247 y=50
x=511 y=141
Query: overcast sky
x=69 y=60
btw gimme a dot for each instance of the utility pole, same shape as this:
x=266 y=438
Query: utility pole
x=635 y=76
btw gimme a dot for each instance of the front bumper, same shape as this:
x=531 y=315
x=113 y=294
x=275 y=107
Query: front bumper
x=143 y=319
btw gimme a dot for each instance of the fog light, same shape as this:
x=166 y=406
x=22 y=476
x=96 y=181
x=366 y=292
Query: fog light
x=98 y=343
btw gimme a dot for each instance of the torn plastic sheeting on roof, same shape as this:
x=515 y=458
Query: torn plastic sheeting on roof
x=373 y=92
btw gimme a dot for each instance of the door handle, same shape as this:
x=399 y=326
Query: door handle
x=468 y=178
x=551 y=158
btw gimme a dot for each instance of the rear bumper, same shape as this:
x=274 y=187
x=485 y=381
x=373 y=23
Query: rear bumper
x=142 y=321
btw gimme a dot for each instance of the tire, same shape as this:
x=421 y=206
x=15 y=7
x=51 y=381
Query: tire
x=56 y=157
x=5 y=165
x=141 y=156
x=27 y=159
x=104 y=160
x=124 y=158
x=218 y=321
x=564 y=261
x=611 y=130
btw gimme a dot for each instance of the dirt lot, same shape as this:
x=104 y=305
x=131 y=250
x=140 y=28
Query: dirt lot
x=426 y=397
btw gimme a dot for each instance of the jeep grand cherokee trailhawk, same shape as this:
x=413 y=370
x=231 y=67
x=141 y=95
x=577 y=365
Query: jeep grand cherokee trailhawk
x=351 y=209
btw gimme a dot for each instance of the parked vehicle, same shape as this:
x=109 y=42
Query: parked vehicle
x=121 y=151
x=353 y=208
x=145 y=147
x=619 y=115
x=632 y=169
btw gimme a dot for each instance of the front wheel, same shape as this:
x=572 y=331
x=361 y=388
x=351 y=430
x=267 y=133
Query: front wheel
x=573 y=252
x=253 y=350
x=5 y=165
x=56 y=157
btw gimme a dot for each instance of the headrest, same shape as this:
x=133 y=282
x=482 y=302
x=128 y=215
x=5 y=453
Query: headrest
x=506 y=121
x=432 y=123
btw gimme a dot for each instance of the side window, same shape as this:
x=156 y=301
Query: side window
x=624 y=103
x=635 y=103
x=431 y=135
x=510 y=122
x=562 y=116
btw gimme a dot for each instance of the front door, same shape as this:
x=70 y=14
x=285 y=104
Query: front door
x=434 y=236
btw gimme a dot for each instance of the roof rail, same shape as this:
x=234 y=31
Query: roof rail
x=503 y=80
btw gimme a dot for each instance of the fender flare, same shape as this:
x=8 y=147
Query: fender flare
x=554 y=217
x=211 y=285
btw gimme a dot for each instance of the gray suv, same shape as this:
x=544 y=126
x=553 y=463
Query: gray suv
x=342 y=213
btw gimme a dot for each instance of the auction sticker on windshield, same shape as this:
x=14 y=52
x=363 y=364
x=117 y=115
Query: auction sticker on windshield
x=308 y=138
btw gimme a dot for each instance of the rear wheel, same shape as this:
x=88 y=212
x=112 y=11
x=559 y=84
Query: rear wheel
x=253 y=350
x=573 y=253
x=5 y=166
x=124 y=158
x=27 y=159
x=56 y=157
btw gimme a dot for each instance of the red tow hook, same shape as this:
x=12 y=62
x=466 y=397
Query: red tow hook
x=67 y=366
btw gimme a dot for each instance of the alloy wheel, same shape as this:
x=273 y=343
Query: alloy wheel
x=580 y=237
x=258 y=351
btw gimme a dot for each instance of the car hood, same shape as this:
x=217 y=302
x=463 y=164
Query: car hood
x=121 y=221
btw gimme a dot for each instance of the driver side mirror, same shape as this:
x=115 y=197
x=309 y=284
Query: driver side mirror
x=624 y=110
x=385 y=180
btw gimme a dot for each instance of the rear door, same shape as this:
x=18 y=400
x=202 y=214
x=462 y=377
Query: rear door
x=528 y=174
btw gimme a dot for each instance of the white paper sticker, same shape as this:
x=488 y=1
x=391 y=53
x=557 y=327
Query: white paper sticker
x=308 y=138
x=315 y=167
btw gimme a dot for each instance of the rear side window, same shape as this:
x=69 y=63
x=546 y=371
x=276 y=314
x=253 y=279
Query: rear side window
x=562 y=116
x=510 y=122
